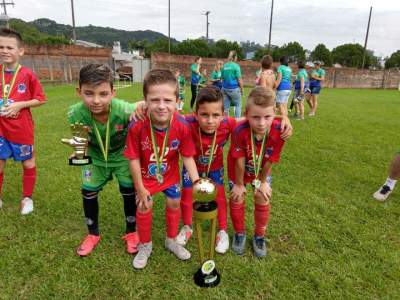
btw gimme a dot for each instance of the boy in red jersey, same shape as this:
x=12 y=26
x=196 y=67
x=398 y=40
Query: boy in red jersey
x=153 y=147
x=21 y=90
x=210 y=132
x=256 y=145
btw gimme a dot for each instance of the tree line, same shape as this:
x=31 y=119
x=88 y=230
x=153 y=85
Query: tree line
x=347 y=55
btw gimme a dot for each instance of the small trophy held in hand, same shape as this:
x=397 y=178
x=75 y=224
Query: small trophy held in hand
x=3 y=105
x=79 y=142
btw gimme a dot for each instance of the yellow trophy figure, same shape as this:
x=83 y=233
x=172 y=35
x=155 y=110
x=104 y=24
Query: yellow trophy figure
x=205 y=209
x=79 y=142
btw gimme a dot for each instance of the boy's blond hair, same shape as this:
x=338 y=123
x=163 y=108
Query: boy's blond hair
x=261 y=96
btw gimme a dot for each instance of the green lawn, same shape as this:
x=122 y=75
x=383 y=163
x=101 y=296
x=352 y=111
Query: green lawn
x=327 y=238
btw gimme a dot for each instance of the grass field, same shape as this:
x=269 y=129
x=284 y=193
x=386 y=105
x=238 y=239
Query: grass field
x=327 y=238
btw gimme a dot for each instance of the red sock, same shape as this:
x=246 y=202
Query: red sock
x=221 y=202
x=237 y=216
x=186 y=206
x=1 y=181
x=261 y=218
x=28 y=181
x=172 y=218
x=143 y=225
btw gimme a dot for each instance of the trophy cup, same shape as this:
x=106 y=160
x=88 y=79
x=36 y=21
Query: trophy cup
x=79 y=142
x=205 y=209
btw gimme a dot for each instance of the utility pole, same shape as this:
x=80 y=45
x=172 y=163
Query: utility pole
x=270 y=26
x=4 y=16
x=366 y=38
x=169 y=26
x=73 y=22
x=207 y=24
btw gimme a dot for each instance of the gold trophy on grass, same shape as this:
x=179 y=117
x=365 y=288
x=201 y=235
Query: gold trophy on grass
x=205 y=209
x=79 y=142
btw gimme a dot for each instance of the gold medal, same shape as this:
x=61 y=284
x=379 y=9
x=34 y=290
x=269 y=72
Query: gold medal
x=160 y=178
x=211 y=157
x=256 y=183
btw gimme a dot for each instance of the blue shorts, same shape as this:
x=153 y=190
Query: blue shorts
x=173 y=192
x=315 y=90
x=19 y=152
x=217 y=176
x=231 y=183
x=282 y=96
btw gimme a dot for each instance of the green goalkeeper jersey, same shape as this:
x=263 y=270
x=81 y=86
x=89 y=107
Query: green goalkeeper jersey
x=119 y=120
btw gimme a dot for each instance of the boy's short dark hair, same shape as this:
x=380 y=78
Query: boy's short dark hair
x=261 y=96
x=7 y=32
x=95 y=74
x=284 y=60
x=196 y=59
x=266 y=62
x=157 y=77
x=209 y=94
x=300 y=64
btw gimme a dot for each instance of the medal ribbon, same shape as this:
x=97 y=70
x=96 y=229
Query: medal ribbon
x=159 y=156
x=257 y=162
x=3 y=82
x=100 y=140
x=211 y=157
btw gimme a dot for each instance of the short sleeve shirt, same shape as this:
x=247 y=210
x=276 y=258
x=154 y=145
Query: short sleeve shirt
x=139 y=146
x=27 y=87
x=230 y=74
x=241 y=147
x=119 y=121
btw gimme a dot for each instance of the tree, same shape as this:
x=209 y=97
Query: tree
x=275 y=52
x=160 y=45
x=294 y=51
x=351 y=55
x=323 y=54
x=222 y=47
x=197 y=47
x=393 y=61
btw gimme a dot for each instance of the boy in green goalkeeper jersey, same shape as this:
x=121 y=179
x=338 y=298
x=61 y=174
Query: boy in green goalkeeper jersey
x=107 y=119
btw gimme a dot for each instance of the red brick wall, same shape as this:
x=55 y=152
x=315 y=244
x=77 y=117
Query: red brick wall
x=335 y=78
x=61 y=63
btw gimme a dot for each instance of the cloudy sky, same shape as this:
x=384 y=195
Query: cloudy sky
x=307 y=21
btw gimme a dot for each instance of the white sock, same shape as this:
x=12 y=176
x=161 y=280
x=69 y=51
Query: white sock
x=390 y=183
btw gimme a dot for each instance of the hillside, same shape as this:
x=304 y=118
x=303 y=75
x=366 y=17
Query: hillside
x=96 y=34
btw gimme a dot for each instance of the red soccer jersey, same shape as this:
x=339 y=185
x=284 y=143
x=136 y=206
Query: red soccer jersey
x=241 y=147
x=26 y=87
x=139 y=146
x=223 y=132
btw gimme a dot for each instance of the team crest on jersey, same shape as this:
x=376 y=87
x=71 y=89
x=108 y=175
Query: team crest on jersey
x=119 y=127
x=21 y=88
x=203 y=159
x=152 y=169
x=269 y=152
x=174 y=144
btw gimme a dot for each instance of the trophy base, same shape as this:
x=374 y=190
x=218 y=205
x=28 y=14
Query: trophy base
x=74 y=161
x=209 y=279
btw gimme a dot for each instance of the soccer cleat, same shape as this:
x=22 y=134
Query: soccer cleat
x=173 y=246
x=26 y=206
x=383 y=193
x=222 y=242
x=131 y=241
x=259 y=247
x=88 y=244
x=141 y=258
x=239 y=243
x=1 y=203
x=311 y=114
x=184 y=235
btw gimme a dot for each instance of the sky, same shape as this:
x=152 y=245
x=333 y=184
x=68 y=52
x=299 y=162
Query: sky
x=309 y=22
